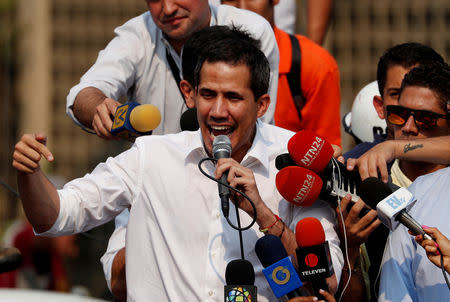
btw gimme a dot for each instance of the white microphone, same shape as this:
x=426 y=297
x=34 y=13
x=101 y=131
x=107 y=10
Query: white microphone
x=392 y=211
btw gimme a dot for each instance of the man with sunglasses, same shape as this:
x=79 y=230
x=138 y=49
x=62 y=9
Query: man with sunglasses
x=422 y=112
x=392 y=67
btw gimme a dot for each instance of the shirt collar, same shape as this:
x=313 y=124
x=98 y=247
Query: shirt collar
x=258 y=152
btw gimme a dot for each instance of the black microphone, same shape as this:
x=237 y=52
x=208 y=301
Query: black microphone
x=278 y=268
x=313 y=254
x=221 y=148
x=240 y=278
x=188 y=120
x=10 y=259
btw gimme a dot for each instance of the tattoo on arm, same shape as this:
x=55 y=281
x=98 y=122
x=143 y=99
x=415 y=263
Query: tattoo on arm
x=408 y=147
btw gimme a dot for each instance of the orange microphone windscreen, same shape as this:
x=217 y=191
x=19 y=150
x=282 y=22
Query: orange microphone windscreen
x=309 y=232
x=298 y=185
x=310 y=150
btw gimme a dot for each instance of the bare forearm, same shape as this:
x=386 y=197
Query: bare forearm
x=40 y=199
x=434 y=150
x=118 y=277
x=318 y=16
x=355 y=290
x=84 y=107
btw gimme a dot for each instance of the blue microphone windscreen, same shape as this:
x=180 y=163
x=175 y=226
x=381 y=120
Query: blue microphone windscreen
x=269 y=250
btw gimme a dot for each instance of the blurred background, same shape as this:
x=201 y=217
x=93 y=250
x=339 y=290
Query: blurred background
x=46 y=46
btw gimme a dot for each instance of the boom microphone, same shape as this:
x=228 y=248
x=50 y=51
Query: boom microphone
x=221 y=148
x=240 y=278
x=278 y=268
x=132 y=120
x=313 y=253
x=392 y=208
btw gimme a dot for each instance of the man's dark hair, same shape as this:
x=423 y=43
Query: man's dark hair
x=435 y=77
x=230 y=45
x=406 y=55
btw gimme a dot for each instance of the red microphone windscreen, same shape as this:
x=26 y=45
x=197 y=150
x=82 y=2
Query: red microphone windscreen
x=309 y=232
x=310 y=150
x=298 y=185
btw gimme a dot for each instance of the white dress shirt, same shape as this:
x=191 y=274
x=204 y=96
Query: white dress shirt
x=178 y=243
x=134 y=64
x=285 y=14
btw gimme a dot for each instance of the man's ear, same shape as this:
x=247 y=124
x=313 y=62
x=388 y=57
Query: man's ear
x=378 y=104
x=188 y=93
x=263 y=104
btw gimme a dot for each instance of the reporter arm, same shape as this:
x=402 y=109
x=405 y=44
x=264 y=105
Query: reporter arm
x=94 y=110
x=318 y=19
x=431 y=247
x=432 y=150
x=357 y=230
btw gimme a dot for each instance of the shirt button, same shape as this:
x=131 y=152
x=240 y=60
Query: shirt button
x=211 y=293
x=218 y=215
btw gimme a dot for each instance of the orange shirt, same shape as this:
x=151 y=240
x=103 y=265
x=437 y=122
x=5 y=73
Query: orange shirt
x=320 y=86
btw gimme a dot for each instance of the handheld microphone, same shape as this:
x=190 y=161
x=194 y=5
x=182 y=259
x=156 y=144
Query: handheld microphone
x=221 y=148
x=240 y=278
x=132 y=120
x=392 y=207
x=313 y=253
x=278 y=268
x=315 y=153
x=188 y=120
x=303 y=187
x=10 y=259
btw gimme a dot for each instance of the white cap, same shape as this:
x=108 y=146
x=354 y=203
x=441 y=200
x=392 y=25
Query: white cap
x=363 y=121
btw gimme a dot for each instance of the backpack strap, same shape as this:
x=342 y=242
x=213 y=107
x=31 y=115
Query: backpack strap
x=293 y=76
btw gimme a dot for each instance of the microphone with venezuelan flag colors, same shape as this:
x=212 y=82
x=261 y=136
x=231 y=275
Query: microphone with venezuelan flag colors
x=133 y=119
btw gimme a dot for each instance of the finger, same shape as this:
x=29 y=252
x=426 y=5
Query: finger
x=22 y=168
x=382 y=167
x=341 y=159
x=363 y=168
x=328 y=297
x=25 y=160
x=100 y=128
x=353 y=214
x=431 y=249
x=343 y=205
x=112 y=105
x=351 y=163
x=33 y=149
x=337 y=151
x=223 y=165
x=372 y=167
x=368 y=230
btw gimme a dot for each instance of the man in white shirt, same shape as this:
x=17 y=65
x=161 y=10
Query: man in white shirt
x=178 y=243
x=137 y=63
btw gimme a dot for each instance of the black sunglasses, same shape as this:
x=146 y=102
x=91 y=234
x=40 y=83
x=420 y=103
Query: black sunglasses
x=398 y=115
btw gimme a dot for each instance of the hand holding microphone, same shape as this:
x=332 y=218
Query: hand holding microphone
x=431 y=247
x=132 y=120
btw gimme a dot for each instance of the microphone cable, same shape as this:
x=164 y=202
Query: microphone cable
x=239 y=228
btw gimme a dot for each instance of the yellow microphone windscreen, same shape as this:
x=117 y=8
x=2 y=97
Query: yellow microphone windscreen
x=144 y=118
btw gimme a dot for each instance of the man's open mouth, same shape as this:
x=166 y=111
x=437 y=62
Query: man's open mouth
x=216 y=130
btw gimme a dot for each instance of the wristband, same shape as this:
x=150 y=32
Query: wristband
x=266 y=229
